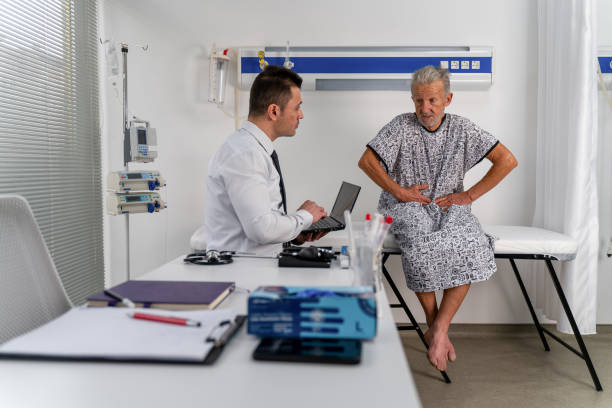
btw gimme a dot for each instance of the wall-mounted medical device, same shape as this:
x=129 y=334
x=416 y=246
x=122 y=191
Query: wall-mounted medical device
x=604 y=57
x=140 y=142
x=127 y=181
x=134 y=203
x=370 y=67
x=219 y=67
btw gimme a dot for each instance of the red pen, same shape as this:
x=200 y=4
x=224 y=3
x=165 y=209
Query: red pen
x=165 y=319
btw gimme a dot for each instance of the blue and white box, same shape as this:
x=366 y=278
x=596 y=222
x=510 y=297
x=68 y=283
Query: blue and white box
x=342 y=312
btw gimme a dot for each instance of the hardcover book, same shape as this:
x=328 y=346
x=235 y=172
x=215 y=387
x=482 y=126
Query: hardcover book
x=169 y=295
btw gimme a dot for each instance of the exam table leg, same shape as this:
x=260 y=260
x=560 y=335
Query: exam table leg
x=585 y=354
x=531 y=309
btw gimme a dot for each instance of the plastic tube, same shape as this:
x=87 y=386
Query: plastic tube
x=349 y=228
x=383 y=233
x=367 y=224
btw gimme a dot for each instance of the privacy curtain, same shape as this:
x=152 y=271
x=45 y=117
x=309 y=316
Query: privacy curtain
x=566 y=179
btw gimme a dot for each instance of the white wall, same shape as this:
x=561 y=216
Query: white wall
x=164 y=86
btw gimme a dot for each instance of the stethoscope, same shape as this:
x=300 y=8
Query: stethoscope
x=214 y=257
x=210 y=257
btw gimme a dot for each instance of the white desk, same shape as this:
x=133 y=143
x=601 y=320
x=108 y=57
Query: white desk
x=235 y=380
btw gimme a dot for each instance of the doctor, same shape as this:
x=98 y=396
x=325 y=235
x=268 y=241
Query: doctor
x=246 y=205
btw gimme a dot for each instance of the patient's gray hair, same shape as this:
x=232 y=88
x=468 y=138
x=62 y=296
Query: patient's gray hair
x=429 y=74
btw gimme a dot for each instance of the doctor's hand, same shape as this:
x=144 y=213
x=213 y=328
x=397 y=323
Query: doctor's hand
x=308 y=237
x=413 y=193
x=446 y=201
x=313 y=208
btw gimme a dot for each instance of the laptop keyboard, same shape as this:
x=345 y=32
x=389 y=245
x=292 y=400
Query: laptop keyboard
x=326 y=222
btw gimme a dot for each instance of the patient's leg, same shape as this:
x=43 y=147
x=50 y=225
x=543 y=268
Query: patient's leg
x=429 y=305
x=440 y=347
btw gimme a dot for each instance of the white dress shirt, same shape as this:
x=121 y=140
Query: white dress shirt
x=243 y=206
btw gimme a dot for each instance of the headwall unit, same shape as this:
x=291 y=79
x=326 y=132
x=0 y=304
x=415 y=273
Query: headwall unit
x=341 y=68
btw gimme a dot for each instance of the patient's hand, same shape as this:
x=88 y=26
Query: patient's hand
x=446 y=201
x=308 y=237
x=412 y=193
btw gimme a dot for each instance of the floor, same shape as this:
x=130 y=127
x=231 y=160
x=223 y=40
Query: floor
x=506 y=366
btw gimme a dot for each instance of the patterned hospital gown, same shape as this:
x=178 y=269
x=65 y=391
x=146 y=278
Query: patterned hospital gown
x=440 y=250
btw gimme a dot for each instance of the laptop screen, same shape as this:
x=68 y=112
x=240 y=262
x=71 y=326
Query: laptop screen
x=347 y=196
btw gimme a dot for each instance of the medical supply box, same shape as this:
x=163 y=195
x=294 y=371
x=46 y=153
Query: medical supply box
x=346 y=312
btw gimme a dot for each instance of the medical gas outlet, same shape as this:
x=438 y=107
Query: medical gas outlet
x=118 y=204
x=130 y=181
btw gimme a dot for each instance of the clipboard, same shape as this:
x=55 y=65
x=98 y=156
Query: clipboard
x=110 y=335
x=227 y=336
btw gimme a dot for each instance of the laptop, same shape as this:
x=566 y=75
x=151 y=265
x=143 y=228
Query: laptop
x=347 y=196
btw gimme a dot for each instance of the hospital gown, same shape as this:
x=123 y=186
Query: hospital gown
x=440 y=250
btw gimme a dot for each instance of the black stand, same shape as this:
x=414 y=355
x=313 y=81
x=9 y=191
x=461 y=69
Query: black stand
x=583 y=353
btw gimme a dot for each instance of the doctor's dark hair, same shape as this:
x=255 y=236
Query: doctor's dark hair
x=429 y=74
x=272 y=86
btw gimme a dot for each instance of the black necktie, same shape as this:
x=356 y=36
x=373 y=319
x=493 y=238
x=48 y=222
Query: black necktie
x=282 y=185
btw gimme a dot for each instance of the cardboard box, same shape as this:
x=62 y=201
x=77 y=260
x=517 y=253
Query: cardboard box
x=346 y=312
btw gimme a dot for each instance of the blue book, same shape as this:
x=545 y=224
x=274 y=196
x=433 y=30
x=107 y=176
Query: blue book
x=169 y=295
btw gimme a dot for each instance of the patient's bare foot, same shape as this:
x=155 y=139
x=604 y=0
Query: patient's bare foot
x=440 y=348
x=428 y=336
x=452 y=356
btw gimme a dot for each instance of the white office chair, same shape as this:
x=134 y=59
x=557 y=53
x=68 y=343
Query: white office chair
x=197 y=242
x=31 y=292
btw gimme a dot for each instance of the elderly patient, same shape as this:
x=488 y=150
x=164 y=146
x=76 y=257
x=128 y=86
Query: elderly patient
x=419 y=160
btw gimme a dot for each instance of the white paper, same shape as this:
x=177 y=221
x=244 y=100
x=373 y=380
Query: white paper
x=109 y=332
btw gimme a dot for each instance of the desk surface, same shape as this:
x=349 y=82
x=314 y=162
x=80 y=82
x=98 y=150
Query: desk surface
x=235 y=380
